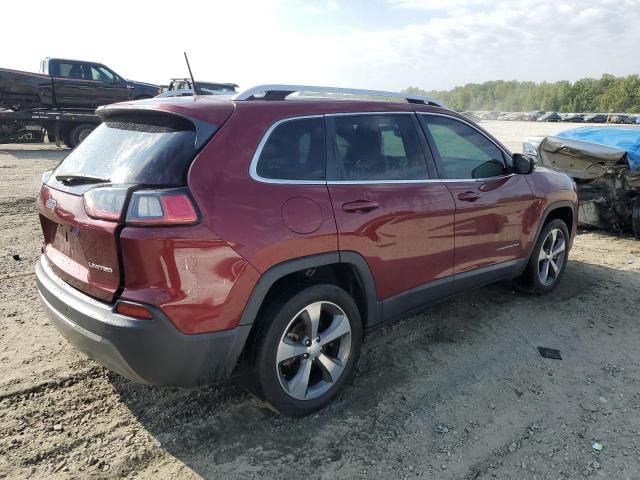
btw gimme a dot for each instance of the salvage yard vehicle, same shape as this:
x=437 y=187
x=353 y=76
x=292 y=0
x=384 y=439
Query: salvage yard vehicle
x=61 y=98
x=181 y=87
x=605 y=163
x=535 y=115
x=595 y=118
x=549 y=117
x=264 y=235
x=68 y=84
x=624 y=119
x=573 y=117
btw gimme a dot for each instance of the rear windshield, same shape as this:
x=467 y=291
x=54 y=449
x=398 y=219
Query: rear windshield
x=144 y=149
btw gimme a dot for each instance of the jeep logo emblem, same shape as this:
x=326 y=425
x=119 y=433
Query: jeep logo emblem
x=51 y=203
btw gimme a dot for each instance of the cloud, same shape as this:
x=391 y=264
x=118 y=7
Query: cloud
x=319 y=9
x=386 y=44
x=436 y=4
x=314 y=10
x=479 y=40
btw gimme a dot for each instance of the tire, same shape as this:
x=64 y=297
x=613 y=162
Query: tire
x=540 y=277
x=285 y=353
x=79 y=133
x=635 y=217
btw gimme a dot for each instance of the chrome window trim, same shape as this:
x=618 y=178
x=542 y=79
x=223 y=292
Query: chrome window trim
x=360 y=114
x=427 y=180
x=253 y=173
x=379 y=182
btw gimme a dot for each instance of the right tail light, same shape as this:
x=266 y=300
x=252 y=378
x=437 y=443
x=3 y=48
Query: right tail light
x=161 y=207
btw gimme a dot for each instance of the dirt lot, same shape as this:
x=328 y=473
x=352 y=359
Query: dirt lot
x=470 y=365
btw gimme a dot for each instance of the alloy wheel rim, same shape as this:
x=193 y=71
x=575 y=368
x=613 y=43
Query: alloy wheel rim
x=551 y=257
x=314 y=350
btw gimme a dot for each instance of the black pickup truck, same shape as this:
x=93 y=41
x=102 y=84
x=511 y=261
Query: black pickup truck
x=68 y=84
x=61 y=99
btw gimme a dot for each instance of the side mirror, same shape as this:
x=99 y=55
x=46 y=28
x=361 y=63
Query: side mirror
x=523 y=164
x=489 y=169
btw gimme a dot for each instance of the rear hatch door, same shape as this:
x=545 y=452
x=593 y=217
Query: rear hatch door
x=131 y=149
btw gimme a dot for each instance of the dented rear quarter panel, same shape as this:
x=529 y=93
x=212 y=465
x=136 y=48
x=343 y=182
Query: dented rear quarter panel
x=197 y=280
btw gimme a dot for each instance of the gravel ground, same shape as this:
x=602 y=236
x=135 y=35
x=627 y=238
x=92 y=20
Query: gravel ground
x=459 y=391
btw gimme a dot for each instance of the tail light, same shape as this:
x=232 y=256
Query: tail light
x=161 y=207
x=105 y=203
x=146 y=207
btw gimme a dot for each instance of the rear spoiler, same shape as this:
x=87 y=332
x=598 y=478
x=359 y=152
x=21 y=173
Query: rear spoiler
x=204 y=130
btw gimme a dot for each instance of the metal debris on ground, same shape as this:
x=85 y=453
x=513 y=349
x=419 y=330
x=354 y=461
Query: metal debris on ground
x=550 y=353
x=441 y=428
x=597 y=446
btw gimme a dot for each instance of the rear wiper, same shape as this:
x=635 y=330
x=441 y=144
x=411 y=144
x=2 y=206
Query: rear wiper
x=80 y=179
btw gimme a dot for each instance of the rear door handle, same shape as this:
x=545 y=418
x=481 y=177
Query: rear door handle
x=469 y=196
x=361 y=206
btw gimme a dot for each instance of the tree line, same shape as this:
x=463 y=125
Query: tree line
x=606 y=94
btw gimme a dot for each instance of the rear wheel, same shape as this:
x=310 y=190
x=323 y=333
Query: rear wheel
x=548 y=260
x=307 y=349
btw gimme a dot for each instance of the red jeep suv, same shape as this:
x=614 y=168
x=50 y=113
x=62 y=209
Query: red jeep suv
x=189 y=238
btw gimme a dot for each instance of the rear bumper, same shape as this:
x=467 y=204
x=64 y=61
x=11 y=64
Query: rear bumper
x=145 y=351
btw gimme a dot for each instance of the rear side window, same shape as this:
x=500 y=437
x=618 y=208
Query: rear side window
x=152 y=149
x=74 y=70
x=294 y=151
x=378 y=147
x=464 y=152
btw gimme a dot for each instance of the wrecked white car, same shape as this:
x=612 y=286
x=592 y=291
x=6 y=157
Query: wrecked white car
x=605 y=164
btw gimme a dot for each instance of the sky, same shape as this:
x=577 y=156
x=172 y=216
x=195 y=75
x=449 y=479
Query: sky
x=375 y=44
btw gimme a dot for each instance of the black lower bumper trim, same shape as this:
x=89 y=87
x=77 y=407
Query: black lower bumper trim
x=145 y=351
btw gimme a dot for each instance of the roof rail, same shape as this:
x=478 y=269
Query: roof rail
x=281 y=92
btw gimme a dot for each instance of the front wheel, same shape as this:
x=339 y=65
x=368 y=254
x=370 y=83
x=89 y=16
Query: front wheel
x=307 y=349
x=548 y=260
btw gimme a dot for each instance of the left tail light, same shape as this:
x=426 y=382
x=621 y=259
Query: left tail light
x=105 y=203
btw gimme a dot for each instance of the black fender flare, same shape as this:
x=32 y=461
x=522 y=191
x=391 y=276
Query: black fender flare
x=550 y=208
x=275 y=273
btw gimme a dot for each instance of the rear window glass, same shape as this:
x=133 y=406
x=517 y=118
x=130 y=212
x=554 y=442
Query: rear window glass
x=294 y=151
x=142 y=149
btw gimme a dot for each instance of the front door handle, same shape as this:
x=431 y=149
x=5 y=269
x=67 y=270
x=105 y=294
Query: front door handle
x=469 y=196
x=361 y=206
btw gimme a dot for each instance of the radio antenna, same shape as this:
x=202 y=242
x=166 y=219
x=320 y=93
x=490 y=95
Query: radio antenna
x=193 y=82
